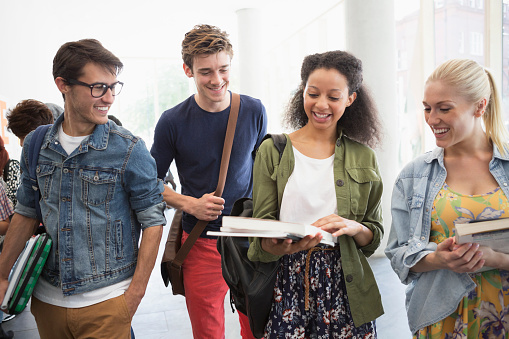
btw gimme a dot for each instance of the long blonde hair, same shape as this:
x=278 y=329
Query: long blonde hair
x=474 y=82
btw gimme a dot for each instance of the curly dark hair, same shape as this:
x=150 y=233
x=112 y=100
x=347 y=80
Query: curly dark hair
x=27 y=116
x=204 y=39
x=360 y=120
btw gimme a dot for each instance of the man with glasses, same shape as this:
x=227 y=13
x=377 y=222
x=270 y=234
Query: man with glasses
x=99 y=190
x=192 y=133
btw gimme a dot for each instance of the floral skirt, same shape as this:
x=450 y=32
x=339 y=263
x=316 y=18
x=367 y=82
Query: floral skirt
x=310 y=299
x=484 y=313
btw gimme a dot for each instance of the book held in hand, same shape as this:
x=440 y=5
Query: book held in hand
x=266 y=228
x=26 y=273
x=493 y=233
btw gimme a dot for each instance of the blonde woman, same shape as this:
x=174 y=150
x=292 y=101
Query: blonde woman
x=465 y=178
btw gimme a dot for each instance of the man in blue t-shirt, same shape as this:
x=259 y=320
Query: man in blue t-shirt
x=192 y=133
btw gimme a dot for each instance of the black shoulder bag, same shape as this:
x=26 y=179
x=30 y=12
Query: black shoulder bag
x=251 y=283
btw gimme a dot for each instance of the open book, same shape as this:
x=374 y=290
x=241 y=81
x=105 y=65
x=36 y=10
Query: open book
x=266 y=228
x=493 y=233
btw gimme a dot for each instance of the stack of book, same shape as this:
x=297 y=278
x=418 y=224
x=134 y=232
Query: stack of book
x=266 y=228
x=493 y=233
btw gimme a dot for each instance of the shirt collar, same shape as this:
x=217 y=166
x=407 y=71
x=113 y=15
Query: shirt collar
x=438 y=154
x=98 y=140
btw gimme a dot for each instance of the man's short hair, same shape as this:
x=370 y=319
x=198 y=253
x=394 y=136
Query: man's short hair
x=72 y=56
x=204 y=39
x=27 y=116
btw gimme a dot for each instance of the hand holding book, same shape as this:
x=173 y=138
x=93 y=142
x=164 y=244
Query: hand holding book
x=338 y=226
x=266 y=228
x=289 y=246
x=493 y=233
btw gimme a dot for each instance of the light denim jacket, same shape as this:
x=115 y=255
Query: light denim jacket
x=94 y=204
x=430 y=296
x=358 y=190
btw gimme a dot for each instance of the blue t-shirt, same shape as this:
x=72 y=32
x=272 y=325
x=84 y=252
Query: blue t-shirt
x=194 y=138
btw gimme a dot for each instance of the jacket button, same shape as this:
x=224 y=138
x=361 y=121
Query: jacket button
x=338 y=142
x=340 y=182
x=349 y=278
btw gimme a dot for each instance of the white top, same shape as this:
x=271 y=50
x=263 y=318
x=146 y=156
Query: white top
x=50 y=294
x=310 y=193
x=68 y=142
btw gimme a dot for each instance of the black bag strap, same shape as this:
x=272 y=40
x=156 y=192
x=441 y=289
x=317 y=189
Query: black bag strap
x=279 y=142
x=243 y=207
x=225 y=159
x=33 y=157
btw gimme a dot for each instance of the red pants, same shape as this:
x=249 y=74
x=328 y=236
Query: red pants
x=206 y=290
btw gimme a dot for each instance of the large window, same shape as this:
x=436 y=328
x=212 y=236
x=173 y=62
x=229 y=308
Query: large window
x=505 y=60
x=152 y=85
x=459 y=30
x=426 y=37
x=409 y=52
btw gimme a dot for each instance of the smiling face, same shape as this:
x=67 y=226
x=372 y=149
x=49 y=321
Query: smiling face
x=325 y=98
x=211 y=73
x=82 y=111
x=454 y=121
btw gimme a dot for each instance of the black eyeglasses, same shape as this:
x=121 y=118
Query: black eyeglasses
x=98 y=89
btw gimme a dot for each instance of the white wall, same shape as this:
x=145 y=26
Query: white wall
x=31 y=32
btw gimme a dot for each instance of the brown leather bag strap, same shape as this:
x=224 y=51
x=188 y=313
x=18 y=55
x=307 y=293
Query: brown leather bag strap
x=225 y=160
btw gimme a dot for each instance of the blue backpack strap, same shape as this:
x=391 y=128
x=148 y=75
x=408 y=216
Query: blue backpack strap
x=33 y=157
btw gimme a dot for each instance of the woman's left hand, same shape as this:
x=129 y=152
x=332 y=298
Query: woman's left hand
x=338 y=225
x=494 y=259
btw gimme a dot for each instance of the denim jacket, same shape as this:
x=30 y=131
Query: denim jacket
x=430 y=296
x=358 y=190
x=94 y=203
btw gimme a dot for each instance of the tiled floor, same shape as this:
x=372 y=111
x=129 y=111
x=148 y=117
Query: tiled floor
x=163 y=315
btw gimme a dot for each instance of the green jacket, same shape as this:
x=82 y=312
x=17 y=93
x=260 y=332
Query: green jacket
x=358 y=192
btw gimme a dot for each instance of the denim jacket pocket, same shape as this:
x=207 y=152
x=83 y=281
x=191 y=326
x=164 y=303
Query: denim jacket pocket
x=360 y=188
x=97 y=186
x=44 y=177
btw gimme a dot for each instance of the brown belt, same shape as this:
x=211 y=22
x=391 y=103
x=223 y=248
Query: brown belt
x=307 y=280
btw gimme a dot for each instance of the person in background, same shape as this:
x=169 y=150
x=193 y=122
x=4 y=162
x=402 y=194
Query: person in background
x=192 y=133
x=55 y=109
x=99 y=193
x=27 y=116
x=114 y=119
x=464 y=179
x=327 y=176
x=6 y=211
x=21 y=120
x=9 y=173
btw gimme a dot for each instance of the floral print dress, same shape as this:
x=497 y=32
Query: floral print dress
x=310 y=299
x=484 y=313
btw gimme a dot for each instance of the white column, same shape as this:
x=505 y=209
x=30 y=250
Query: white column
x=370 y=36
x=249 y=51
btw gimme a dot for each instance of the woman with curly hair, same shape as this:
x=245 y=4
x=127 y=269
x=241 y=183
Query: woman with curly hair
x=327 y=176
